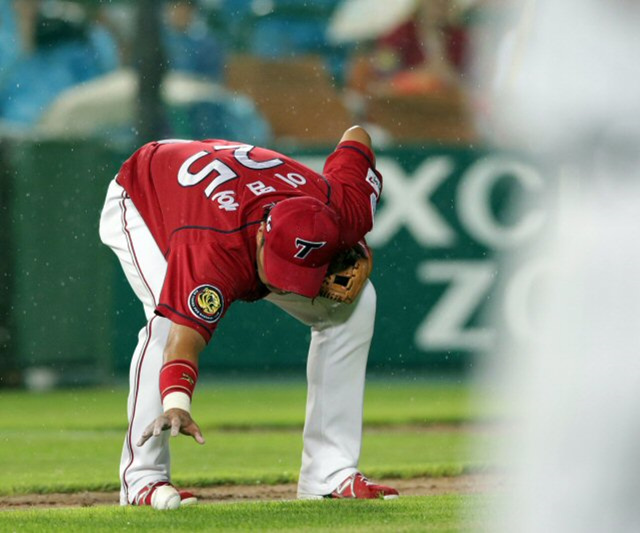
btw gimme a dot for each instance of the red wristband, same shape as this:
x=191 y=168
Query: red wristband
x=179 y=375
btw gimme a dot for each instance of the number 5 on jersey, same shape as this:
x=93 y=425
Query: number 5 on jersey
x=224 y=173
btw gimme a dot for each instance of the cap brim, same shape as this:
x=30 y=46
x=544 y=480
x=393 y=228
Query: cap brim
x=289 y=277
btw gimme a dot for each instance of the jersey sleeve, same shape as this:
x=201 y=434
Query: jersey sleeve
x=352 y=166
x=194 y=294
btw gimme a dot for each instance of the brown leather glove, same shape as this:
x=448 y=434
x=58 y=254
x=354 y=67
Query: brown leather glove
x=347 y=274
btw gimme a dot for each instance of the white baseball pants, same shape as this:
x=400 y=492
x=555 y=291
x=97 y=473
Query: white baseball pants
x=340 y=340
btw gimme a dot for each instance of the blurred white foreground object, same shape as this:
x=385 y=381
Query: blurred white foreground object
x=568 y=93
x=111 y=101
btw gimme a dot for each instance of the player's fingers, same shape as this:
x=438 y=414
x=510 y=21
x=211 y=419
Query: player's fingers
x=175 y=426
x=161 y=423
x=193 y=430
x=197 y=434
x=199 y=438
x=146 y=434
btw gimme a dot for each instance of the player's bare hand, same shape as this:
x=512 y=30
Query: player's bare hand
x=175 y=420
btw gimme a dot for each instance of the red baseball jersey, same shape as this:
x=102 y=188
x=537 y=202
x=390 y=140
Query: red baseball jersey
x=203 y=202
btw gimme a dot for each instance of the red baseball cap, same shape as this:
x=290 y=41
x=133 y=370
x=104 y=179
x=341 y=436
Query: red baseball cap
x=301 y=237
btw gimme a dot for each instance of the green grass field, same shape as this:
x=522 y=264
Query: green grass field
x=67 y=441
x=437 y=513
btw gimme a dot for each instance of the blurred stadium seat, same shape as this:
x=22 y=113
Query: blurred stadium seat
x=441 y=116
x=296 y=96
x=105 y=108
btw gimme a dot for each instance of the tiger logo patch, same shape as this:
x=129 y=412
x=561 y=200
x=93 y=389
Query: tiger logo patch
x=207 y=303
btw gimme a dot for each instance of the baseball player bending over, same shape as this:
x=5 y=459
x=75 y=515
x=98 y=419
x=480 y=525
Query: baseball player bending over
x=198 y=225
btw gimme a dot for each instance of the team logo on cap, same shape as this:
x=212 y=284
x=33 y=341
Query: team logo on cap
x=306 y=247
x=206 y=302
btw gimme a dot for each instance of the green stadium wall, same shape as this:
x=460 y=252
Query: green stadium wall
x=446 y=215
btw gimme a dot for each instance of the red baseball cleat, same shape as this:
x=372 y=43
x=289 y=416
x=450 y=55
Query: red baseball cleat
x=359 y=487
x=148 y=496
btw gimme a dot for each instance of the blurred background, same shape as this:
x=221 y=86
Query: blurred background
x=84 y=83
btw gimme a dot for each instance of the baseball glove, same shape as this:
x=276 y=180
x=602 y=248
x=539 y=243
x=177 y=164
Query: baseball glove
x=347 y=274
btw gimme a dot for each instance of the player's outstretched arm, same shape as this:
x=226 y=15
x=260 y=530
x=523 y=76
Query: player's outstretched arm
x=358 y=134
x=177 y=381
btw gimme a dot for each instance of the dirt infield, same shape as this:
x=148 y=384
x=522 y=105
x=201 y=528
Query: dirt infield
x=230 y=493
